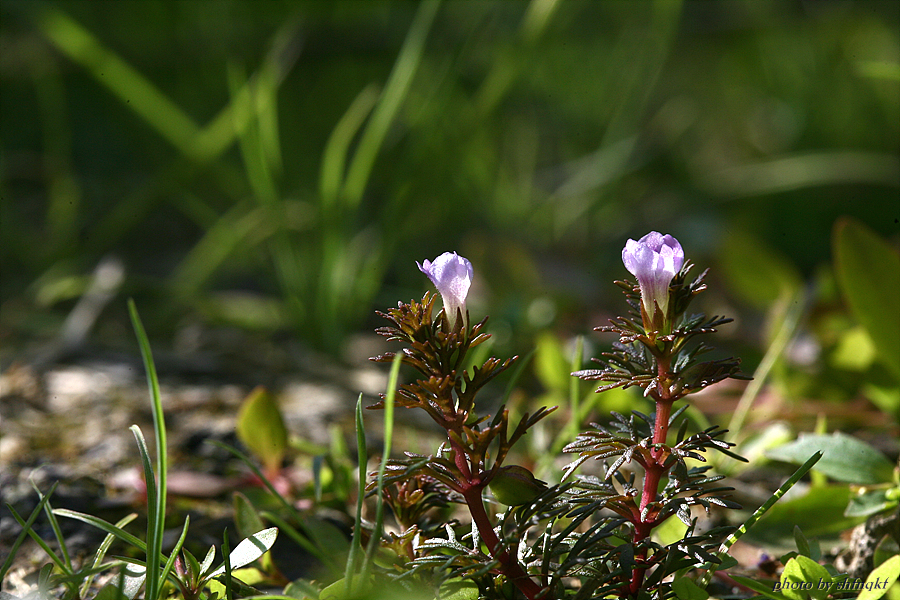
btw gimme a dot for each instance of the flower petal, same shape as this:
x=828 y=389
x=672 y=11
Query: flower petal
x=452 y=275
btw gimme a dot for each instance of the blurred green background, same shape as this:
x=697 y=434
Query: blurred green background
x=279 y=166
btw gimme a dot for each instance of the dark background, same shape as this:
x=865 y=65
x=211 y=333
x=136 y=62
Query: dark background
x=532 y=138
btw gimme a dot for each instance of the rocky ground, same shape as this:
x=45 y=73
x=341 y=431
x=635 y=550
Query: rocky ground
x=66 y=416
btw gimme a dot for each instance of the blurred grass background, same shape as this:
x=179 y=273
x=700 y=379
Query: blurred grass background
x=278 y=166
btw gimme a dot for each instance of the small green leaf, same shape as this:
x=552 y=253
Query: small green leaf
x=250 y=549
x=868 y=271
x=514 y=485
x=193 y=566
x=845 y=458
x=206 y=565
x=458 y=589
x=686 y=589
x=260 y=427
x=801 y=541
x=804 y=578
x=245 y=517
x=869 y=502
x=879 y=580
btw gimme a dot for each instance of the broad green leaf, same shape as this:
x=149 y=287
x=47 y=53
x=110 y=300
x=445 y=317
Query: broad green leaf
x=686 y=589
x=250 y=549
x=880 y=579
x=868 y=271
x=260 y=427
x=845 y=458
x=804 y=578
x=250 y=575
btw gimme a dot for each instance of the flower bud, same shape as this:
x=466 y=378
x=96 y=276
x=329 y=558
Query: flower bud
x=654 y=260
x=514 y=485
x=451 y=274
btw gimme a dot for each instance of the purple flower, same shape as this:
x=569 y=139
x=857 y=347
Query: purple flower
x=451 y=274
x=654 y=260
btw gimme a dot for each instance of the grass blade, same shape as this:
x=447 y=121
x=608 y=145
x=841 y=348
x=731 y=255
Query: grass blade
x=362 y=459
x=394 y=92
x=781 y=491
x=174 y=554
x=226 y=552
x=156 y=510
x=104 y=525
x=123 y=80
x=102 y=550
x=26 y=530
x=57 y=532
x=26 y=527
x=386 y=453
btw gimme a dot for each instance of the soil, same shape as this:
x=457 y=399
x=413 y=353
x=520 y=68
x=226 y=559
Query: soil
x=65 y=417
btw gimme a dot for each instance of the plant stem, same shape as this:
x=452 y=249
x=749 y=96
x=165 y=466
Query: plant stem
x=508 y=564
x=472 y=489
x=654 y=471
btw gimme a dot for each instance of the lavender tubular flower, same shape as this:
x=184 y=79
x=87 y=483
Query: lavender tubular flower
x=452 y=275
x=654 y=260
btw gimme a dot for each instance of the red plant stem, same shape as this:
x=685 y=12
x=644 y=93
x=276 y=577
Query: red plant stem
x=653 y=474
x=471 y=491
x=508 y=564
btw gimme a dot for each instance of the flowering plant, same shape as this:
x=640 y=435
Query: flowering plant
x=596 y=531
